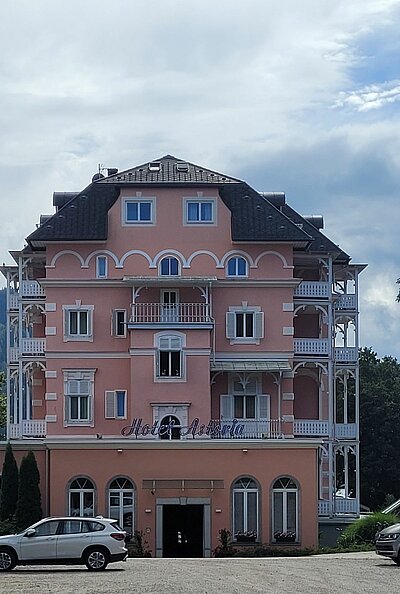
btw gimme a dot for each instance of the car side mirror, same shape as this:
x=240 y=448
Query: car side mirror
x=30 y=532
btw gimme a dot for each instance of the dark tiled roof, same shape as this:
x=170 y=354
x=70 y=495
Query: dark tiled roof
x=255 y=219
x=320 y=243
x=83 y=218
x=171 y=171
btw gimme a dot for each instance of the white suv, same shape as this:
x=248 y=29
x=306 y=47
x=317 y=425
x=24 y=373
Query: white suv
x=92 y=541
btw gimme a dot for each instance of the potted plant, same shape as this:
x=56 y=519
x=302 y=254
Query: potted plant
x=288 y=536
x=249 y=536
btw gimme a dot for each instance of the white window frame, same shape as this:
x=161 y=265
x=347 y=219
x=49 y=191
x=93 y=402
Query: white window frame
x=284 y=491
x=169 y=257
x=246 y=491
x=80 y=376
x=199 y=200
x=236 y=274
x=139 y=200
x=82 y=489
x=78 y=308
x=99 y=273
x=111 y=404
x=123 y=487
x=231 y=324
x=159 y=338
x=115 y=323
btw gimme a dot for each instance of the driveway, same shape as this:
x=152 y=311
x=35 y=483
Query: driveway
x=350 y=573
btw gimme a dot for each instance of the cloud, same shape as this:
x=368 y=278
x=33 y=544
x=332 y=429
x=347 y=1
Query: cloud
x=371 y=97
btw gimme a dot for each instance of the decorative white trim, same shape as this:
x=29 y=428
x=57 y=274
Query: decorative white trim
x=202 y=253
x=288 y=396
x=272 y=253
x=86 y=355
x=157 y=258
x=50 y=396
x=37 y=382
x=135 y=253
x=287 y=418
x=66 y=253
x=51 y=374
x=50 y=331
x=51 y=418
x=37 y=402
x=288 y=331
x=242 y=253
x=138 y=199
x=101 y=253
x=199 y=199
x=50 y=306
x=287 y=307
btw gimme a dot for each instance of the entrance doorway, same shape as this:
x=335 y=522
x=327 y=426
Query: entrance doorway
x=183 y=530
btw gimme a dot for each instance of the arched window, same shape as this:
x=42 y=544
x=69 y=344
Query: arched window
x=245 y=510
x=121 y=497
x=169 y=266
x=169 y=363
x=285 y=502
x=81 y=497
x=170 y=428
x=237 y=266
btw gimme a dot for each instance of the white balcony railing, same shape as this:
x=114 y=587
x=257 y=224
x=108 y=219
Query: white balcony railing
x=31 y=428
x=340 y=506
x=13 y=301
x=34 y=347
x=32 y=289
x=316 y=428
x=346 y=354
x=346 y=302
x=311 y=346
x=179 y=313
x=313 y=289
x=252 y=429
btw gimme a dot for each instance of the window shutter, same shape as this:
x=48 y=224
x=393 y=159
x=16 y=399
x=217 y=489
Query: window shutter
x=259 y=324
x=226 y=406
x=263 y=406
x=230 y=324
x=109 y=405
x=89 y=317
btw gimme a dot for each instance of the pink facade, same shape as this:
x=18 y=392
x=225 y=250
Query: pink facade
x=172 y=356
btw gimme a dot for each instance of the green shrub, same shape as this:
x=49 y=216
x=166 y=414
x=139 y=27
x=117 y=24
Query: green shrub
x=7 y=527
x=138 y=546
x=225 y=548
x=363 y=531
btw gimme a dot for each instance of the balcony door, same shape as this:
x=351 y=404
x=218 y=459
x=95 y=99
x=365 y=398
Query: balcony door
x=169 y=305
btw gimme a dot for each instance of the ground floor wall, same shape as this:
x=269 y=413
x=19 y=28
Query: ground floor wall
x=181 y=495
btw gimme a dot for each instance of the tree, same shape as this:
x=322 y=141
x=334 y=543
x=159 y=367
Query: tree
x=9 y=485
x=379 y=428
x=29 y=507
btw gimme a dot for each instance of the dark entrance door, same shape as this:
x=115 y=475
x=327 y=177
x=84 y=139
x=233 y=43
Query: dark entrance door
x=183 y=530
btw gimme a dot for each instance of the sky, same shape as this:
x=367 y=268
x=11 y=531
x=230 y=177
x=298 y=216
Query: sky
x=301 y=97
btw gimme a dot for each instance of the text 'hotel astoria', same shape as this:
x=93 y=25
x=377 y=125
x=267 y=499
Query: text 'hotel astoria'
x=182 y=356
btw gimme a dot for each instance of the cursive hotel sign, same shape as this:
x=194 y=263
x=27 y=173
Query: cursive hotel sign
x=214 y=428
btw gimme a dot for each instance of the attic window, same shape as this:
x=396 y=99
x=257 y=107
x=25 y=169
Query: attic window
x=182 y=167
x=155 y=166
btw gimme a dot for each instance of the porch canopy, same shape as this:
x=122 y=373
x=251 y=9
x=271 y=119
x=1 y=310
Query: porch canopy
x=254 y=365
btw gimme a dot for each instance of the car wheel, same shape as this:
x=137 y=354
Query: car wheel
x=8 y=560
x=96 y=559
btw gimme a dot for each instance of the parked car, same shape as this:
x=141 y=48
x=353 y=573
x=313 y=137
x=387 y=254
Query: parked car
x=388 y=543
x=94 y=542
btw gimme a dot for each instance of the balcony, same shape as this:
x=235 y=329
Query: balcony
x=340 y=506
x=249 y=429
x=318 y=347
x=30 y=290
x=346 y=302
x=179 y=314
x=31 y=347
x=316 y=428
x=31 y=428
x=312 y=289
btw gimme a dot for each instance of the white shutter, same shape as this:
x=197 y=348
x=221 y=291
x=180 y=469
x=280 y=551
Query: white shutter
x=109 y=405
x=259 y=324
x=230 y=324
x=226 y=406
x=263 y=406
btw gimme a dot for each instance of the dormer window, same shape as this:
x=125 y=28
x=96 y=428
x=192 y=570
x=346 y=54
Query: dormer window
x=182 y=167
x=155 y=166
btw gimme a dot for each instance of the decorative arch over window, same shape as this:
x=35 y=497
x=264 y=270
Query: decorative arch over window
x=237 y=266
x=169 y=266
x=81 y=495
x=170 y=428
x=121 y=502
x=245 y=494
x=285 y=510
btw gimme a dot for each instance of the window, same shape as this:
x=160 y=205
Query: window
x=170 y=428
x=47 y=528
x=169 y=266
x=78 y=322
x=169 y=364
x=237 y=266
x=285 y=510
x=139 y=211
x=199 y=211
x=119 y=323
x=101 y=267
x=120 y=503
x=115 y=404
x=245 y=510
x=81 y=498
x=245 y=325
x=78 y=389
